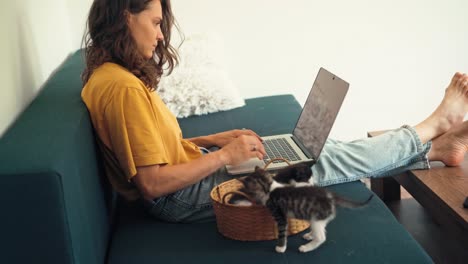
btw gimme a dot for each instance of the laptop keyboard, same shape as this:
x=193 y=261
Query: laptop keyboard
x=279 y=148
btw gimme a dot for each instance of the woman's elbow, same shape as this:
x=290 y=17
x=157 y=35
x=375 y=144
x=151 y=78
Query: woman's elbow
x=145 y=181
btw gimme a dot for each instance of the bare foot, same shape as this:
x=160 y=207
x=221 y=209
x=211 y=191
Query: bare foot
x=449 y=113
x=450 y=148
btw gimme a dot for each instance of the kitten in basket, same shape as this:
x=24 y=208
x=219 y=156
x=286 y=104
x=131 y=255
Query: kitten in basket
x=296 y=175
x=306 y=202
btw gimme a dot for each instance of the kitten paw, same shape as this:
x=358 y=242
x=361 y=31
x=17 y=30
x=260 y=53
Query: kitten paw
x=280 y=249
x=304 y=248
x=312 y=181
x=308 y=236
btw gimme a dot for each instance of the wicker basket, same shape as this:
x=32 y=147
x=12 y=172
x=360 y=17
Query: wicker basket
x=246 y=223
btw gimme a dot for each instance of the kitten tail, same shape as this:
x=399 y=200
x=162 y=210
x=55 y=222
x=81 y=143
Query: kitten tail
x=343 y=202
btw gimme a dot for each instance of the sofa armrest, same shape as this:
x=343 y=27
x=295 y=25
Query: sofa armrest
x=34 y=225
x=54 y=191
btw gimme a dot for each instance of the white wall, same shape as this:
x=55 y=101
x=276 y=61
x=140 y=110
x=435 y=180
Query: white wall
x=8 y=102
x=38 y=36
x=393 y=53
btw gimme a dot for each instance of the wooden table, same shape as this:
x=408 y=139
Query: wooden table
x=441 y=190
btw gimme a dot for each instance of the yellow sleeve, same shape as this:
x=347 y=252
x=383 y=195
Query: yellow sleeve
x=134 y=136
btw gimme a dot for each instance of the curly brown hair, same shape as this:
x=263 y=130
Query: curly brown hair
x=108 y=39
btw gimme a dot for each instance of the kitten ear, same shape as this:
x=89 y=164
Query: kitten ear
x=242 y=179
x=246 y=181
x=258 y=169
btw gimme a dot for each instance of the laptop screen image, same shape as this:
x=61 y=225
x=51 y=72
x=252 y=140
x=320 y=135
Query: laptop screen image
x=320 y=110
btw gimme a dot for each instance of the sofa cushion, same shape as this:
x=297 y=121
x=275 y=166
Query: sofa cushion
x=366 y=235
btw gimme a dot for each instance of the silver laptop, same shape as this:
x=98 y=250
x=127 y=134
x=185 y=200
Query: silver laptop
x=312 y=128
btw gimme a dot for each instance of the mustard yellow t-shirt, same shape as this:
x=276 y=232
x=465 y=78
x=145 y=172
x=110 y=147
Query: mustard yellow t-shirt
x=134 y=126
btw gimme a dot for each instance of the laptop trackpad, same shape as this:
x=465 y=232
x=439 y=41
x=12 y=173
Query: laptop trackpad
x=245 y=167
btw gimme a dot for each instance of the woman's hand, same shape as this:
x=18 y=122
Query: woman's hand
x=224 y=138
x=242 y=148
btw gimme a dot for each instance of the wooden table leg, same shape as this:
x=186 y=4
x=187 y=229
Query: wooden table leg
x=387 y=188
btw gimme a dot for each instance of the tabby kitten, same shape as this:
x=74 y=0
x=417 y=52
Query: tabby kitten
x=311 y=203
x=297 y=175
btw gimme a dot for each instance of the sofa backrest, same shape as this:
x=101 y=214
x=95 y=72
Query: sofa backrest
x=54 y=207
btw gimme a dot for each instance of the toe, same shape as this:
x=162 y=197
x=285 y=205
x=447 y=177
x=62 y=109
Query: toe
x=462 y=80
x=455 y=78
x=459 y=80
x=464 y=85
x=465 y=81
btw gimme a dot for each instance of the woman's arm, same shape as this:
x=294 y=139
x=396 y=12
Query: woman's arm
x=159 y=180
x=222 y=139
x=203 y=141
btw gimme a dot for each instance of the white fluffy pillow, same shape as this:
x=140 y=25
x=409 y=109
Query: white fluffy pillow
x=200 y=84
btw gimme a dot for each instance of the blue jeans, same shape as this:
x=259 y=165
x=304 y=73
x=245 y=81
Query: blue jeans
x=388 y=154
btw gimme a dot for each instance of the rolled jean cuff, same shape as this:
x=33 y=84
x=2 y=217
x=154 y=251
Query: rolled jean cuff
x=422 y=160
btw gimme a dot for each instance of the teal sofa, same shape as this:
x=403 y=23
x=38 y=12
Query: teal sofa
x=57 y=206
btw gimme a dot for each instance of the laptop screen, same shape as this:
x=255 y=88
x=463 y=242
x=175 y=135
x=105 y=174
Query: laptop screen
x=320 y=111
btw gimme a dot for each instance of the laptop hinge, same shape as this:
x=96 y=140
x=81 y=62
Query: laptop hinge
x=302 y=147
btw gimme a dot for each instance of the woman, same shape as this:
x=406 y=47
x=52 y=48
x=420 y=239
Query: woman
x=146 y=157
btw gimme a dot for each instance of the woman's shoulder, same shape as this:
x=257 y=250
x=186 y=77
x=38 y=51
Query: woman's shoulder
x=111 y=81
x=116 y=75
x=114 y=70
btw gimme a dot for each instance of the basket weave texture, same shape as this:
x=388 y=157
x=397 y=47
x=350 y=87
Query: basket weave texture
x=247 y=223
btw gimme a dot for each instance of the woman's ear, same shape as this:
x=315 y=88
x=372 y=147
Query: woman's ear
x=128 y=16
